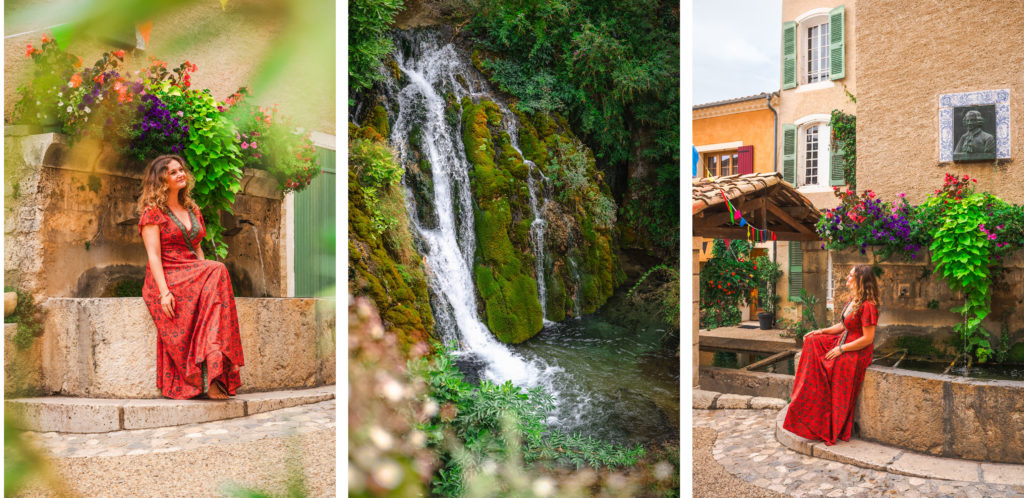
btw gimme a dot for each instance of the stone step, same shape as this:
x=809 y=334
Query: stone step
x=95 y=415
x=884 y=458
x=106 y=348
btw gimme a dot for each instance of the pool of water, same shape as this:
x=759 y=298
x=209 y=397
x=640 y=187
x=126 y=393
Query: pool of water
x=615 y=383
x=983 y=371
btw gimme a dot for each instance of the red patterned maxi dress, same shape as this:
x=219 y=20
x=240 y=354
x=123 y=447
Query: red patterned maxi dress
x=825 y=391
x=201 y=343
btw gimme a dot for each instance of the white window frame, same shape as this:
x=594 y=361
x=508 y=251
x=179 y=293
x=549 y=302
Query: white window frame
x=805 y=21
x=824 y=152
x=704 y=150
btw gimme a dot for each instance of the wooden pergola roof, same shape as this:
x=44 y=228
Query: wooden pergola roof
x=765 y=201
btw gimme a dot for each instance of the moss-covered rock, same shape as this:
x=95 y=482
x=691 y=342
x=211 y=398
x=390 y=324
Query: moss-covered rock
x=384 y=265
x=580 y=222
x=503 y=267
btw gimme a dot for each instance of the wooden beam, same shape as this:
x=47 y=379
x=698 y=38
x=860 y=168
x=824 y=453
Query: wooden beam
x=769 y=360
x=789 y=220
x=721 y=218
x=741 y=233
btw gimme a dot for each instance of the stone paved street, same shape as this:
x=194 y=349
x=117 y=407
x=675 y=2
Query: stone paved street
x=302 y=419
x=261 y=451
x=746 y=447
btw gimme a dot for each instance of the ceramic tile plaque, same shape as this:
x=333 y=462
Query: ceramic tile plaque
x=974 y=126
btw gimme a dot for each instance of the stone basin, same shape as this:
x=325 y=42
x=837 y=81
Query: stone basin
x=943 y=415
x=106 y=348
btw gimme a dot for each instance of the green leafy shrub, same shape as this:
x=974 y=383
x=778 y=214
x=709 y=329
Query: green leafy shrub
x=270 y=142
x=369 y=22
x=475 y=425
x=844 y=132
x=612 y=69
x=212 y=153
x=376 y=171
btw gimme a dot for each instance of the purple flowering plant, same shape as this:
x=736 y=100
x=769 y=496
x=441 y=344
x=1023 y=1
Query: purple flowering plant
x=158 y=130
x=863 y=220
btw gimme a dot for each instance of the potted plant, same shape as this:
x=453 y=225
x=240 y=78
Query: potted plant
x=766 y=318
x=766 y=274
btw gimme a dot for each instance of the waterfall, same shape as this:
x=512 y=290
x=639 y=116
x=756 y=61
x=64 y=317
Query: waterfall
x=538 y=226
x=432 y=69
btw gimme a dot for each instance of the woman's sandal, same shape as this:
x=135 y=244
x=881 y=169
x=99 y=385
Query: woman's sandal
x=217 y=391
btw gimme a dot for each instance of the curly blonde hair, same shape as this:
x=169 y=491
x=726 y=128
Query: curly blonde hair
x=865 y=287
x=155 y=189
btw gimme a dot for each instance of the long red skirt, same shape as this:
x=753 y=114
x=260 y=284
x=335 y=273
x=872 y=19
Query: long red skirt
x=201 y=343
x=825 y=391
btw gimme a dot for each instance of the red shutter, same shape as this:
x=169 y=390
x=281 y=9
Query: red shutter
x=746 y=159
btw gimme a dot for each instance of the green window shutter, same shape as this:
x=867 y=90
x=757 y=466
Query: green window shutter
x=788 y=55
x=796 y=270
x=837 y=43
x=789 y=153
x=837 y=176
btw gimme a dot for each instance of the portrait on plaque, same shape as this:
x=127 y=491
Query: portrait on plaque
x=974 y=128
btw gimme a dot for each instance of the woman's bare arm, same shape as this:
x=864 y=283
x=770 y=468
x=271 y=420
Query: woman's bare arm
x=151 y=239
x=862 y=341
x=833 y=330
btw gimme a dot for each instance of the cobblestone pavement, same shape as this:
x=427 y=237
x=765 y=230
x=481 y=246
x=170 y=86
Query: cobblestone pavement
x=746 y=448
x=303 y=419
x=272 y=452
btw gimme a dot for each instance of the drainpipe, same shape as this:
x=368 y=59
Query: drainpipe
x=775 y=168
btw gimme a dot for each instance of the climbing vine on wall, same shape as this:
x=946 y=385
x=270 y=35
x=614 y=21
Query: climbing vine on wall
x=844 y=132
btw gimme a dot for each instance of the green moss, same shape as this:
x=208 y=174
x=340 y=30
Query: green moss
x=1016 y=354
x=378 y=120
x=556 y=302
x=503 y=270
x=918 y=346
x=386 y=266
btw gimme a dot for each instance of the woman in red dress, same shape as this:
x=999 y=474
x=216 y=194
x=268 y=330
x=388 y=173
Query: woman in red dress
x=831 y=369
x=198 y=348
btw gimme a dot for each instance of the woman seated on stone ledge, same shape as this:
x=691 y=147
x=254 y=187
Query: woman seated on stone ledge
x=198 y=349
x=832 y=368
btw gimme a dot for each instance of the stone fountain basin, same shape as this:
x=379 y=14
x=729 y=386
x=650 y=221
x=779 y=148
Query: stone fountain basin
x=943 y=415
x=106 y=348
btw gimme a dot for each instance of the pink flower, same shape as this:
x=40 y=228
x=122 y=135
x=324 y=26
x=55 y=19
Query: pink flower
x=245 y=145
x=181 y=114
x=253 y=145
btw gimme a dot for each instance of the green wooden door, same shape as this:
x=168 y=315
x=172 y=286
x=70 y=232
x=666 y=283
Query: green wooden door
x=315 y=231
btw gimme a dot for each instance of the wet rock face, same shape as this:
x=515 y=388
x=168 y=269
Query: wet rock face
x=503 y=269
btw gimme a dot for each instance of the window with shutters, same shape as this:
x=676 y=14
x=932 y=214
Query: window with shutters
x=806 y=153
x=814 y=48
x=796 y=270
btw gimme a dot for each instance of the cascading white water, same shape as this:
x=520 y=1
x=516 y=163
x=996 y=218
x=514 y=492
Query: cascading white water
x=539 y=224
x=449 y=247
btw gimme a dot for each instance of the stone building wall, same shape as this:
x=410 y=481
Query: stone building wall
x=71 y=228
x=915 y=302
x=818 y=98
x=908 y=54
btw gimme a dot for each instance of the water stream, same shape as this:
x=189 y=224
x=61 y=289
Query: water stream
x=594 y=370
